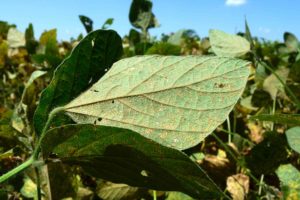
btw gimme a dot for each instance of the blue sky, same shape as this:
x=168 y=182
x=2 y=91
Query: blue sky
x=266 y=18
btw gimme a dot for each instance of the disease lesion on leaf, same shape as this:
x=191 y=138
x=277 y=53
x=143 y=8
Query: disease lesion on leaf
x=220 y=85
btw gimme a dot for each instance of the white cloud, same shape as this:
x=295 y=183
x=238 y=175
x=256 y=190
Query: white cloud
x=264 y=30
x=235 y=2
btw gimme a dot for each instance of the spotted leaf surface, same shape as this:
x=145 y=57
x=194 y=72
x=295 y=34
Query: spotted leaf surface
x=174 y=100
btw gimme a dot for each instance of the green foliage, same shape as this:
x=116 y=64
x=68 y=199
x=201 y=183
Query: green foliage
x=107 y=23
x=224 y=44
x=87 y=23
x=86 y=64
x=293 y=137
x=164 y=48
x=176 y=101
x=165 y=100
x=290 y=181
x=120 y=155
x=31 y=43
x=141 y=16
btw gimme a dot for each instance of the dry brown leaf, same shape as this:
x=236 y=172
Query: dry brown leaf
x=238 y=186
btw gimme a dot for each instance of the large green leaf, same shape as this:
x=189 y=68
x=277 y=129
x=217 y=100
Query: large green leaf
x=176 y=101
x=121 y=155
x=293 y=137
x=290 y=181
x=87 y=63
x=224 y=44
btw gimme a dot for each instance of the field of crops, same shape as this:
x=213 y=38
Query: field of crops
x=177 y=117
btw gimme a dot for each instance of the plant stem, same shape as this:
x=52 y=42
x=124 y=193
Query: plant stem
x=154 y=195
x=38 y=183
x=261 y=183
x=52 y=114
x=16 y=170
x=229 y=129
x=36 y=151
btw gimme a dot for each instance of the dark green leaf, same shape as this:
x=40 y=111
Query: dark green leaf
x=107 y=23
x=266 y=156
x=164 y=48
x=291 y=42
x=141 y=16
x=87 y=23
x=261 y=98
x=134 y=37
x=62 y=181
x=90 y=59
x=123 y=156
x=31 y=43
x=289 y=119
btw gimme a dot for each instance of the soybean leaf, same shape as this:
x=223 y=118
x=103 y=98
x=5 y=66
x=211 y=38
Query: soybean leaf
x=178 y=196
x=176 y=38
x=141 y=16
x=107 y=23
x=290 y=181
x=24 y=111
x=87 y=63
x=87 y=23
x=117 y=191
x=224 y=44
x=48 y=43
x=289 y=119
x=291 y=42
x=15 y=38
x=293 y=137
x=176 y=101
x=123 y=156
x=31 y=43
x=273 y=85
x=164 y=48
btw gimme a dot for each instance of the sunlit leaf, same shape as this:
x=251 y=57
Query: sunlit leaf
x=224 y=44
x=290 y=181
x=176 y=101
x=293 y=137
x=15 y=38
